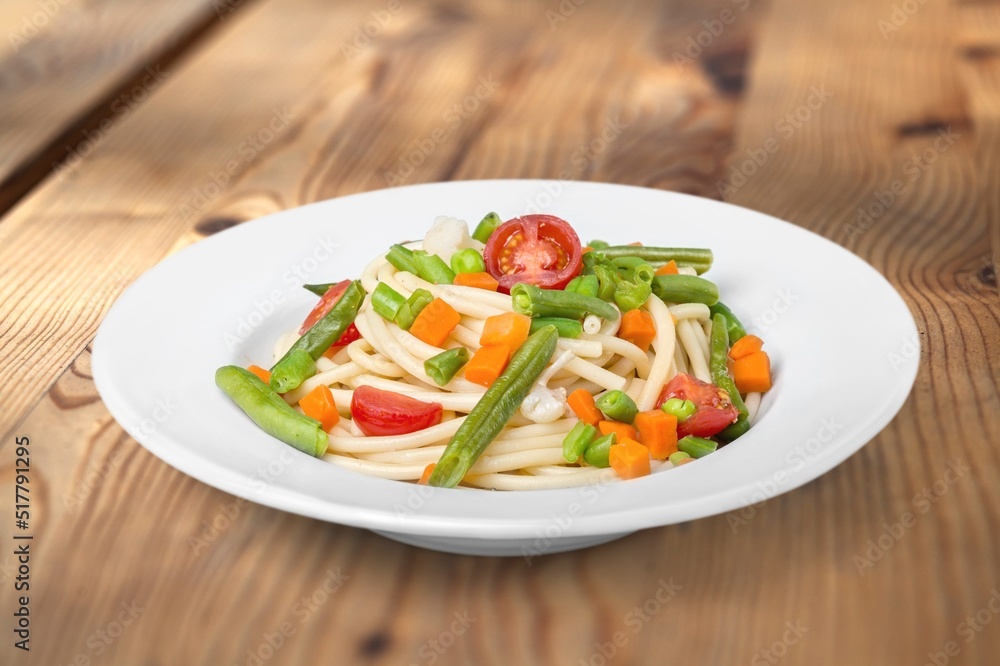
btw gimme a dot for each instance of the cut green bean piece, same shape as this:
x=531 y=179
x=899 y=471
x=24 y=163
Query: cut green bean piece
x=618 y=406
x=432 y=268
x=468 y=261
x=634 y=269
x=631 y=295
x=491 y=414
x=536 y=302
x=291 y=370
x=696 y=447
x=719 y=368
x=319 y=289
x=486 y=227
x=586 y=285
x=577 y=441
x=697 y=258
x=270 y=412
x=599 y=450
x=408 y=312
x=402 y=258
x=598 y=244
x=443 y=367
x=386 y=301
x=685 y=289
x=568 y=328
x=733 y=324
x=682 y=409
x=676 y=458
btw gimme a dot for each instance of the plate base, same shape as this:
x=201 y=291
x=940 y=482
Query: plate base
x=526 y=548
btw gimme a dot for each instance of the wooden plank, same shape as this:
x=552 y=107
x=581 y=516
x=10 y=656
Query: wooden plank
x=71 y=71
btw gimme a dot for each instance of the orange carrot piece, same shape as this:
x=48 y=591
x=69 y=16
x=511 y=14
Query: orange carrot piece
x=425 y=477
x=510 y=329
x=435 y=323
x=486 y=364
x=669 y=268
x=319 y=404
x=265 y=376
x=582 y=404
x=635 y=244
x=745 y=346
x=752 y=373
x=629 y=459
x=623 y=430
x=638 y=328
x=657 y=432
x=586 y=249
x=477 y=280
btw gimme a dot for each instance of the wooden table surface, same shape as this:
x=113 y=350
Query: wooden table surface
x=129 y=130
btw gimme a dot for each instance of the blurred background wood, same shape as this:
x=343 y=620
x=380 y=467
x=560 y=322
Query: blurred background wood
x=855 y=95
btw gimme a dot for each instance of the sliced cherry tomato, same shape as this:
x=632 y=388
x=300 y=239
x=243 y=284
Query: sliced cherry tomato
x=378 y=412
x=542 y=250
x=713 y=412
x=328 y=300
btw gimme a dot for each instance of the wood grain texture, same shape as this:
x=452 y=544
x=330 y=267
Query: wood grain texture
x=71 y=70
x=217 y=578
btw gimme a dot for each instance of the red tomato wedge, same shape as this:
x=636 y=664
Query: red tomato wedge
x=714 y=410
x=378 y=412
x=542 y=250
x=328 y=300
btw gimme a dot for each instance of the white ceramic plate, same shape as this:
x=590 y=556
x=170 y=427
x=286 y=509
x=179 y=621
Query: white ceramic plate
x=842 y=342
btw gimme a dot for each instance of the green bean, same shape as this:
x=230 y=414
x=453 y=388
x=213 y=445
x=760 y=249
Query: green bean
x=618 y=406
x=319 y=289
x=568 y=328
x=697 y=258
x=386 y=301
x=678 y=456
x=598 y=452
x=685 y=289
x=408 y=312
x=583 y=284
x=682 y=409
x=718 y=366
x=696 y=447
x=598 y=244
x=402 y=258
x=536 y=302
x=269 y=410
x=577 y=441
x=486 y=227
x=631 y=295
x=634 y=269
x=432 y=268
x=495 y=408
x=468 y=261
x=607 y=280
x=290 y=371
x=733 y=324
x=443 y=367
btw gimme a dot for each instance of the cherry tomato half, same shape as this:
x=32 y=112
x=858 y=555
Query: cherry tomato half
x=713 y=413
x=328 y=300
x=542 y=250
x=378 y=412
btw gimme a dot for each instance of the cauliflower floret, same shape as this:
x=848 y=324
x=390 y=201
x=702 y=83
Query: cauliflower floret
x=447 y=236
x=544 y=405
